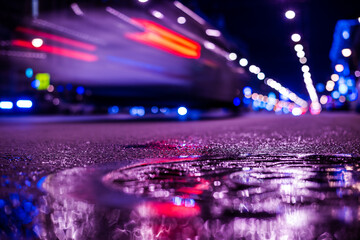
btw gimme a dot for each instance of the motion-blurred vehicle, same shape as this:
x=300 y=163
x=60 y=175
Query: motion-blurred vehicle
x=127 y=53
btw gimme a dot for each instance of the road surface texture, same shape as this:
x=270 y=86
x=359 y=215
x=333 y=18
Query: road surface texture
x=249 y=177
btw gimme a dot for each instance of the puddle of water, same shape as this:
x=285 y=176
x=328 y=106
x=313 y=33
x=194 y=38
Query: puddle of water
x=250 y=197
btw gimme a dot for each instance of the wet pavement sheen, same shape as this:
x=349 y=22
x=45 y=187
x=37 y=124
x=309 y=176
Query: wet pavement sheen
x=198 y=187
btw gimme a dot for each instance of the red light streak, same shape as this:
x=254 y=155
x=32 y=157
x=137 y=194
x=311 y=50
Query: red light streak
x=56 y=38
x=165 y=39
x=57 y=51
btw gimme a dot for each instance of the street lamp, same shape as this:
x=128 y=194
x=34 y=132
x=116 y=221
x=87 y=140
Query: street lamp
x=296 y=37
x=290 y=14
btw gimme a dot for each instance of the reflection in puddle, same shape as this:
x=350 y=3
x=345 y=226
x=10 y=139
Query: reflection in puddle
x=254 y=197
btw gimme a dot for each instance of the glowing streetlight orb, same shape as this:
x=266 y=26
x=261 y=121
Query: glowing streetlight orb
x=261 y=76
x=335 y=77
x=300 y=54
x=307 y=75
x=342 y=99
x=209 y=45
x=303 y=60
x=330 y=85
x=243 y=62
x=323 y=99
x=345 y=35
x=253 y=69
x=213 y=32
x=37 y=42
x=181 y=20
x=298 y=47
x=295 y=37
x=290 y=14
x=157 y=14
x=305 y=68
x=232 y=56
x=339 y=67
x=182 y=111
x=346 y=52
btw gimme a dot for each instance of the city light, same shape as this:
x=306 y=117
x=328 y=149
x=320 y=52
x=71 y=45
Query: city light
x=77 y=10
x=166 y=40
x=339 y=67
x=342 y=99
x=182 y=111
x=209 y=45
x=37 y=42
x=320 y=87
x=286 y=92
x=323 y=99
x=24 y=103
x=213 y=32
x=298 y=47
x=346 y=52
x=300 y=54
x=254 y=69
x=50 y=88
x=189 y=12
x=330 y=85
x=345 y=35
x=303 y=60
x=305 y=68
x=247 y=91
x=154 y=109
x=137 y=111
x=113 y=110
x=290 y=14
x=295 y=37
x=29 y=72
x=232 y=56
x=261 y=76
x=335 y=77
x=6 y=105
x=315 y=107
x=157 y=14
x=79 y=90
x=329 y=88
x=343 y=88
x=296 y=111
x=181 y=20
x=243 y=62
x=236 y=101
x=335 y=94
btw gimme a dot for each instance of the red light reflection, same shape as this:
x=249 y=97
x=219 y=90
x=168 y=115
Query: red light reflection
x=168 y=209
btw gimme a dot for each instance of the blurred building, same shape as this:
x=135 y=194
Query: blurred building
x=344 y=85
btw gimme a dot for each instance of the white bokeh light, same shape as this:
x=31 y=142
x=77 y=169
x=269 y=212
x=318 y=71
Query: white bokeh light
x=181 y=20
x=295 y=37
x=37 y=42
x=243 y=62
x=232 y=56
x=346 y=52
x=290 y=14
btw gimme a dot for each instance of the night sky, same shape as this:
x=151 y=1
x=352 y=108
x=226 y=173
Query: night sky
x=263 y=28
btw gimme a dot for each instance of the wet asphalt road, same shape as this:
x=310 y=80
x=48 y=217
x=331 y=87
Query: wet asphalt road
x=264 y=155
x=51 y=144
